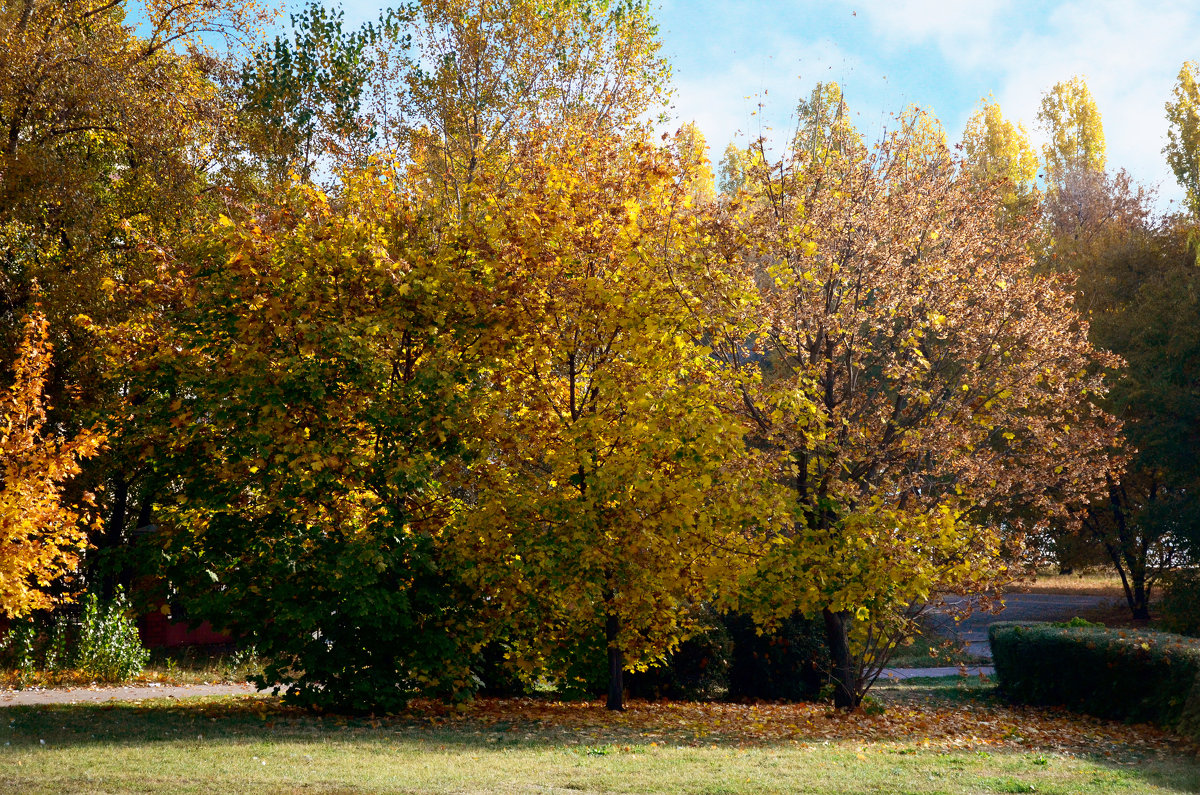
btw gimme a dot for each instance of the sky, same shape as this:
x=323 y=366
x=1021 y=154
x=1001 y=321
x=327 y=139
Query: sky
x=728 y=57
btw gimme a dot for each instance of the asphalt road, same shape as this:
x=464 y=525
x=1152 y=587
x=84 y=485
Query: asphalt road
x=1017 y=607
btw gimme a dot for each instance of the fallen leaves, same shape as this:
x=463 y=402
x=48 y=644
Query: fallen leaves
x=927 y=725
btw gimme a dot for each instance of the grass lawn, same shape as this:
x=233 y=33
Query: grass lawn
x=932 y=651
x=1091 y=582
x=935 y=736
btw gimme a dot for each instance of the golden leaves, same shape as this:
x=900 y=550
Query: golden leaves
x=40 y=535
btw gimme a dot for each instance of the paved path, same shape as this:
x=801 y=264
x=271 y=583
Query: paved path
x=1017 y=607
x=972 y=629
x=913 y=673
x=83 y=695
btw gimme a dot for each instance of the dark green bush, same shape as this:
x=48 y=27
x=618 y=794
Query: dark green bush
x=352 y=622
x=1130 y=675
x=787 y=664
x=494 y=673
x=1179 y=607
x=698 y=669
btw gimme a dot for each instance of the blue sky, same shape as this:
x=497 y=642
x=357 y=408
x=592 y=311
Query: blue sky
x=727 y=56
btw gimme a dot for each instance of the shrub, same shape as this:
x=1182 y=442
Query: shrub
x=787 y=664
x=1179 y=606
x=107 y=646
x=698 y=669
x=19 y=647
x=1121 y=674
x=102 y=643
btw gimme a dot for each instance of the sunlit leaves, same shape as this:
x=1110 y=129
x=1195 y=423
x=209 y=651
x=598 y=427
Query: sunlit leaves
x=40 y=533
x=1183 y=133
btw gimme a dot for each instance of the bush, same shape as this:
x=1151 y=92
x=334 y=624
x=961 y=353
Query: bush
x=1125 y=675
x=107 y=646
x=698 y=669
x=1179 y=606
x=788 y=664
x=102 y=644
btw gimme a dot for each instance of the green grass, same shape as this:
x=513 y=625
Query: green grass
x=249 y=745
x=932 y=651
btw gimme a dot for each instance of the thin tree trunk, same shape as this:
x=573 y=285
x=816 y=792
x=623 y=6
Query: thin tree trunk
x=616 y=664
x=114 y=535
x=845 y=686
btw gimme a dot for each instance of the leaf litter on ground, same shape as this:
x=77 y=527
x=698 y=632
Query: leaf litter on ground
x=911 y=719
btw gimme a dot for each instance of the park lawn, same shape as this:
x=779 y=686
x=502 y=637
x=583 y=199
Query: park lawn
x=1091 y=582
x=936 y=736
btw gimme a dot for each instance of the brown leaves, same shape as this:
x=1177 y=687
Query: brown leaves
x=904 y=724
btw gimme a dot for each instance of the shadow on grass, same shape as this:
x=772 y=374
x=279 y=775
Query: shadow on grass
x=915 y=710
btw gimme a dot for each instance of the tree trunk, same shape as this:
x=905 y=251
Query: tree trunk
x=845 y=684
x=1141 y=602
x=114 y=536
x=616 y=664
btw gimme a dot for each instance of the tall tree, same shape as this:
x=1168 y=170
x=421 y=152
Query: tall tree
x=1135 y=278
x=106 y=135
x=301 y=98
x=998 y=154
x=483 y=75
x=1071 y=121
x=920 y=380
x=824 y=126
x=1183 y=134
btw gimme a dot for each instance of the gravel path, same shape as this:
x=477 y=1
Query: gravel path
x=84 y=695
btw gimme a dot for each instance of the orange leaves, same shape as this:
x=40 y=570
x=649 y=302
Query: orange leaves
x=40 y=536
x=898 y=727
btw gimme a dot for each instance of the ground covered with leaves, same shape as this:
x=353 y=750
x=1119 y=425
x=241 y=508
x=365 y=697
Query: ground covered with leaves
x=929 y=736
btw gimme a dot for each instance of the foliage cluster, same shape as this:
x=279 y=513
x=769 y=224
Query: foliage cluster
x=425 y=360
x=1130 y=675
x=1178 y=607
x=100 y=643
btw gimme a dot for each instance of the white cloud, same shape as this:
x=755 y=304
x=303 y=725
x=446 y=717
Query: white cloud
x=1130 y=54
x=904 y=21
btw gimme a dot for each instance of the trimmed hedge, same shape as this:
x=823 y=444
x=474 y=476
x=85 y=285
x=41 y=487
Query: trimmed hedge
x=1130 y=675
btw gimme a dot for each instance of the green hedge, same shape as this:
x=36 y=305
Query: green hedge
x=1124 y=674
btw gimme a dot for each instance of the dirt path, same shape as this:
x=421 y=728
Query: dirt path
x=83 y=695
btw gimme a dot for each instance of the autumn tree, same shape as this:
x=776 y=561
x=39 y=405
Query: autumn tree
x=41 y=533
x=480 y=77
x=1134 y=277
x=998 y=154
x=734 y=168
x=1071 y=121
x=307 y=393
x=106 y=138
x=696 y=172
x=920 y=380
x=824 y=127
x=1183 y=133
x=612 y=474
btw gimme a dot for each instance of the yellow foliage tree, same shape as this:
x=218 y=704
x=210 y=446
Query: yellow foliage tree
x=1183 y=134
x=1076 y=134
x=40 y=535
x=998 y=154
